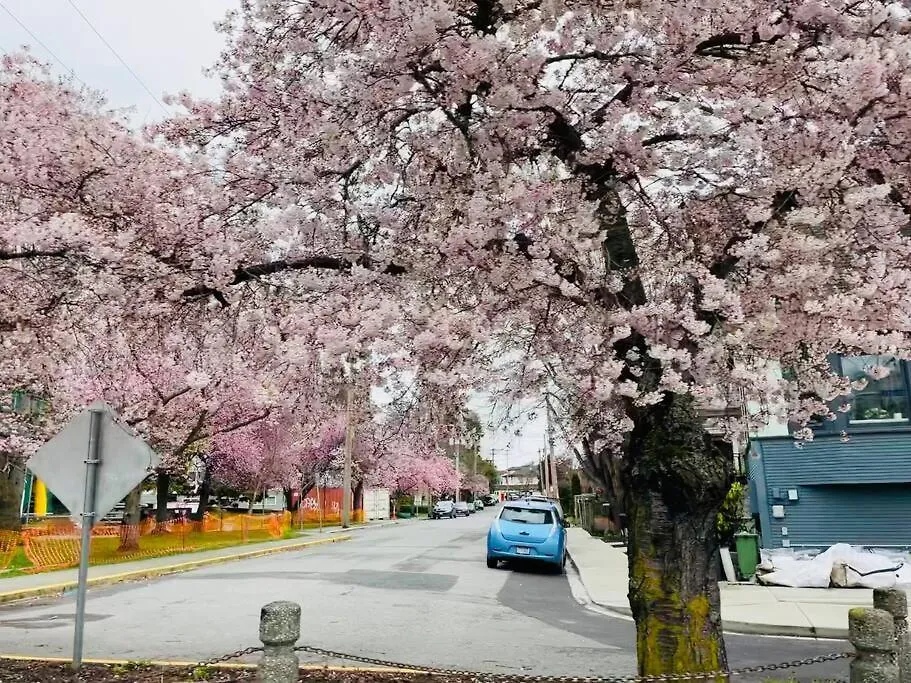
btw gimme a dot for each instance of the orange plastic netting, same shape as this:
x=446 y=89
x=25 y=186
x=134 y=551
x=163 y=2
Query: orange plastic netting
x=57 y=545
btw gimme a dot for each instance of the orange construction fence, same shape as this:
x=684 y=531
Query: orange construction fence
x=55 y=543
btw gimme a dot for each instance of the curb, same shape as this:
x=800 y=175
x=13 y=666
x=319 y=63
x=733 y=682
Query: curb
x=741 y=628
x=191 y=665
x=140 y=574
x=365 y=527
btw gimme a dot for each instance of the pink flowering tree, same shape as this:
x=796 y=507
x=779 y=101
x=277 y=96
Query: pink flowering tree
x=634 y=208
x=77 y=192
x=477 y=484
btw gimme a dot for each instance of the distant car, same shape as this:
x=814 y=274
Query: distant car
x=461 y=508
x=445 y=508
x=527 y=530
x=512 y=496
x=491 y=500
x=479 y=504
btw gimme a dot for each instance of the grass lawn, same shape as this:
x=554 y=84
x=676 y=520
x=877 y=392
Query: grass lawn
x=58 y=553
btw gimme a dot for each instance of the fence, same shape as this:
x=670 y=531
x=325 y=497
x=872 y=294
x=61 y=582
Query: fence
x=323 y=507
x=56 y=544
x=882 y=651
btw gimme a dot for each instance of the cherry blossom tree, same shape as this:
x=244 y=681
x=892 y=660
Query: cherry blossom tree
x=636 y=207
x=639 y=208
x=477 y=484
x=92 y=222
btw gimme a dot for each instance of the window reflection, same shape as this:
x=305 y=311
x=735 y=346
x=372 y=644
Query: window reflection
x=885 y=398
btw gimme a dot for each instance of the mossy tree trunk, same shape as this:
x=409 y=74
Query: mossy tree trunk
x=129 y=531
x=675 y=480
x=205 y=492
x=12 y=480
x=162 y=490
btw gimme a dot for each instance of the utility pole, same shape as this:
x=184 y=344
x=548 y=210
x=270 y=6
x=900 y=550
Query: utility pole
x=349 y=447
x=458 y=453
x=554 y=489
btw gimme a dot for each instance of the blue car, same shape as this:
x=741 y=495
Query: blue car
x=527 y=530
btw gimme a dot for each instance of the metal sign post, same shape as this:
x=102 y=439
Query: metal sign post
x=92 y=463
x=319 y=504
x=86 y=486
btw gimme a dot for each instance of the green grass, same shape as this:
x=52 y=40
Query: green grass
x=16 y=565
x=105 y=548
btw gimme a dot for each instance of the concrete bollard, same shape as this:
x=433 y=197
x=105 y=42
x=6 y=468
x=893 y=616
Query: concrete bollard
x=872 y=633
x=279 y=629
x=895 y=602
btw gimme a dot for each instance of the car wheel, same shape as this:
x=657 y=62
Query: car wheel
x=561 y=568
x=492 y=563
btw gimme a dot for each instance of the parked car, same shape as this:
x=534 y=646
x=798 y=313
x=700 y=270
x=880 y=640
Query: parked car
x=479 y=504
x=527 y=530
x=491 y=500
x=461 y=508
x=444 y=508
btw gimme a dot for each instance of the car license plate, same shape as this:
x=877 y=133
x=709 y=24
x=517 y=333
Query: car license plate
x=523 y=551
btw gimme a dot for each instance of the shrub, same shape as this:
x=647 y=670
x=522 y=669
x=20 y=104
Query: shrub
x=730 y=518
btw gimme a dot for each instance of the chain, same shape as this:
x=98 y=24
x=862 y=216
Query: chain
x=155 y=673
x=529 y=678
x=228 y=657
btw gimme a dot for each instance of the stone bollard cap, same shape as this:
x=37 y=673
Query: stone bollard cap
x=280 y=623
x=893 y=600
x=871 y=629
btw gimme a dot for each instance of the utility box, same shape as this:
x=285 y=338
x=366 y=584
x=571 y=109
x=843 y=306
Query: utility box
x=747 y=554
x=376 y=504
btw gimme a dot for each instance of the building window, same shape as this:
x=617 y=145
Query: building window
x=883 y=397
x=28 y=404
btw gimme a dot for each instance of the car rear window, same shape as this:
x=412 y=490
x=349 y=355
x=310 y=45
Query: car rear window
x=526 y=516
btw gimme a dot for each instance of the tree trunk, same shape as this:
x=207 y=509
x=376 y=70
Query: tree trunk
x=129 y=528
x=676 y=479
x=205 y=490
x=12 y=479
x=162 y=489
x=358 y=497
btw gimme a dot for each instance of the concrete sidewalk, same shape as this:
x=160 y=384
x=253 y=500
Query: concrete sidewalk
x=54 y=583
x=745 y=608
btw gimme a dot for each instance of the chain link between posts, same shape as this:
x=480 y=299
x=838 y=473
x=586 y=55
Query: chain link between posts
x=531 y=678
x=155 y=673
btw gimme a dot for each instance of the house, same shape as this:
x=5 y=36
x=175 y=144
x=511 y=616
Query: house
x=523 y=477
x=852 y=482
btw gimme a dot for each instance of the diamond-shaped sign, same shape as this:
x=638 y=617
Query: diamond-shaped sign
x=125 y=461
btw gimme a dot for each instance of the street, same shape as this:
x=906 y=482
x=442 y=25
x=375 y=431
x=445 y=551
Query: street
x=417 y=592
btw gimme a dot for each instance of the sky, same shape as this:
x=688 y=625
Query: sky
x=164 y=46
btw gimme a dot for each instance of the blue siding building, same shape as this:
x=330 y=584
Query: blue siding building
x=852 y=483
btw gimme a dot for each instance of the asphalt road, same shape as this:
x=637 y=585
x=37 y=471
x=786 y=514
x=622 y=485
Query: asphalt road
x=418 y=592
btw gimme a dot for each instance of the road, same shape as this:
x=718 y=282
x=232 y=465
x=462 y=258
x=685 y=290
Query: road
x=417 y=592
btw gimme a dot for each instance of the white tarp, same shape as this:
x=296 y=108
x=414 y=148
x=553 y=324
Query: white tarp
x=842 y=565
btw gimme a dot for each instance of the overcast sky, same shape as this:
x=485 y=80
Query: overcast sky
x=167 y=44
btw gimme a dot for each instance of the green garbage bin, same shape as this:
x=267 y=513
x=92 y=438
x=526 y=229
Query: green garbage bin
x=747 y=553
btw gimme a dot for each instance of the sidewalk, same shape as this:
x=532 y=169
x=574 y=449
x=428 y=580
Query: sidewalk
x=57 y=582
x=745 y=608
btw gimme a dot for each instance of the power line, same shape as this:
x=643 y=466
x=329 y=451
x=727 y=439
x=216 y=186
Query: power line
x=41 y=43
x=117 y=55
